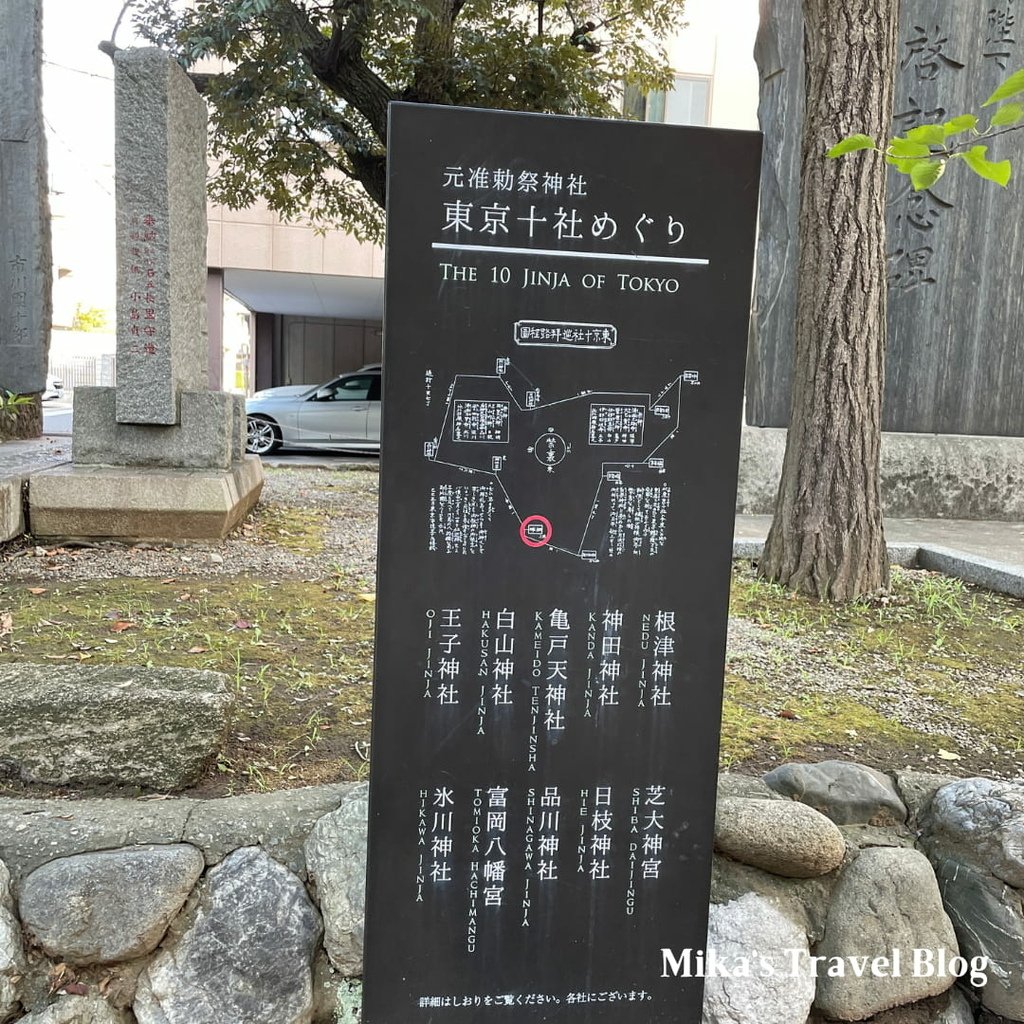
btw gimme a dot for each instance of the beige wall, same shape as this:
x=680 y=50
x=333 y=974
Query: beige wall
x=257 y=239
x=719 y=41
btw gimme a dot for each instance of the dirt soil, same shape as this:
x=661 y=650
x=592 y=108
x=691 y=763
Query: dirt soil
x=930 y=677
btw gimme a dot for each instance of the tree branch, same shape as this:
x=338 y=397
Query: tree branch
x=433 y=48
x=338 y=63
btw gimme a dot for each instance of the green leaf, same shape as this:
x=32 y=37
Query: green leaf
x=901 y=147
x=1011 y=87
x=990 y=170
x=929 y=134
x=850 y=145
x=959 y=124
x=1009 y=113
x=925 y=173
x=905 y=165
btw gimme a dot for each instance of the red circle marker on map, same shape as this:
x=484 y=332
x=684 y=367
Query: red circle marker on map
x=535 y=531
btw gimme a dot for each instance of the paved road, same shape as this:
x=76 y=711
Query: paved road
x=57 y=416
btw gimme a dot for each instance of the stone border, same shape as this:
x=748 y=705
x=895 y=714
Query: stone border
x=924 y=476
x=1000 y=577
x=128 y=911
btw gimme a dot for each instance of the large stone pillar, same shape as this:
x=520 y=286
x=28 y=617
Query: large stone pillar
x=160 y=455
x=25 y=261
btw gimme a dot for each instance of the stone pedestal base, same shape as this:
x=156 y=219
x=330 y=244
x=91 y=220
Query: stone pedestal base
x=12 y=518
x=128 y=503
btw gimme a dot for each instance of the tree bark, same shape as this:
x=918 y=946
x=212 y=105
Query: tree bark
x=827 y=537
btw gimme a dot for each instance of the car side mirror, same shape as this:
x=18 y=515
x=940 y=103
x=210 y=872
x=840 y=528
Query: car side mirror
x=324 y=393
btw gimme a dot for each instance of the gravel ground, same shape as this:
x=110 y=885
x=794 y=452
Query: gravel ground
x=346 y=501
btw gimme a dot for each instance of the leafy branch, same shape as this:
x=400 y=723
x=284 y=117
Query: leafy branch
x=923 y=153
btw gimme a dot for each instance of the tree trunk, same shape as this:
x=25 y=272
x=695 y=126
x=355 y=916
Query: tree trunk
x=827 y=537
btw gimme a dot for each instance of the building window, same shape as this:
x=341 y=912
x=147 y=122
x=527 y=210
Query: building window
x=687 y=102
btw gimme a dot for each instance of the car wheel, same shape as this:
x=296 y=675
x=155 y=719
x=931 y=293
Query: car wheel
x=261 y=436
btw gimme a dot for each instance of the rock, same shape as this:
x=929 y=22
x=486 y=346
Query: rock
x=803 y=900
x=848 y=793
x=11 y=966
x=336 y=856
x=155 y=727
x=78 y=1010
x=350 y=1002
x=12 y=510
x=734 y=784
x=886 y=900
x=34 y=832
x=333 y=994
x=279 y=822
x=326 y=983
x=916 y=789
x=101 y=908
x=862 y=836
x=751 y=927
x=985 y=818
x=247 y=956
x=780 y=836
x=989 y=922
x=951 y=1007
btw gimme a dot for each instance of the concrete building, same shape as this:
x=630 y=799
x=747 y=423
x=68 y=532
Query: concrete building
x=316 y=300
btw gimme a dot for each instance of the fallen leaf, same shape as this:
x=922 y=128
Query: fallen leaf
x=6 y=623
x=36 y=591
x=367 y=597
x=791 y=715
x=170 y=579
x=76 y=988
x=121 y=625
x=948 y=755
x=242 y=624
x=198 y=650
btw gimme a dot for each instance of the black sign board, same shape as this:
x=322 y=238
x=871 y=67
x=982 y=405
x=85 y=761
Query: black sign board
x=565 y=333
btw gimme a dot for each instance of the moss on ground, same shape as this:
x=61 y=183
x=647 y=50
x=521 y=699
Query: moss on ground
x=930 y=675
x=299 y=656
x=301 y=530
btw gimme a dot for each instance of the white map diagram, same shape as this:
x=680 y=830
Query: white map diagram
x=583 y=475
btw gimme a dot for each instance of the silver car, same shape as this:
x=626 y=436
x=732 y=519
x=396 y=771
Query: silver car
x=343 y=414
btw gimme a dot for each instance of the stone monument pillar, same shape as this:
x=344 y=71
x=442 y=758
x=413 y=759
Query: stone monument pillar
x=25 y=262
x=159 y=455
